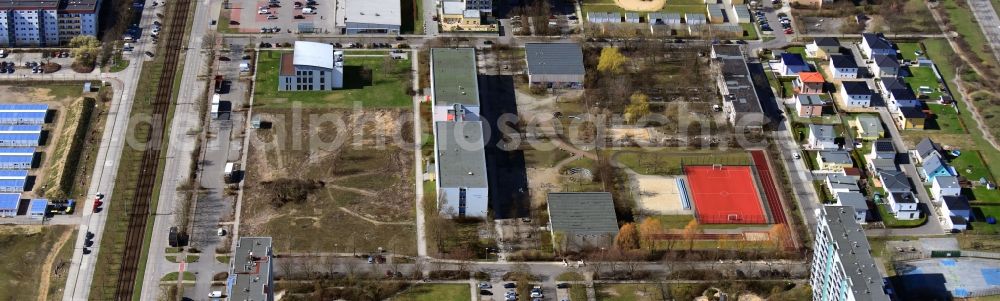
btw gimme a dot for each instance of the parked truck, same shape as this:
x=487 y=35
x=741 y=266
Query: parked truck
x=227 y=173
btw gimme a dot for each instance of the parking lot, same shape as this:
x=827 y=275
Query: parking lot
x=22 y=63
x=503 y=290
x=255 y=16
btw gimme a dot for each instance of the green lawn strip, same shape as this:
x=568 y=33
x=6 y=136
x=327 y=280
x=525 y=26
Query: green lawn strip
x=577 y=292
x=965 y=24
x=939 y=50
x=981 y=213
x=970 y=166
x=924 y=77
x=908 y=50
x=386 y=89
x=669 y=163
x=628 y=292
x=797 y=50
x=119 y=63
x=435 y=292
x=891 y=221
x=172 y=276
x=222 y=259
x=982 y=194
x=946 y=119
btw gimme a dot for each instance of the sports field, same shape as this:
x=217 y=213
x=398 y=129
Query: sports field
x=725 y=195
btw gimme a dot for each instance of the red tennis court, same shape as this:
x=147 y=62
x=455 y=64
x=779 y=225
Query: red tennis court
x=725 y=195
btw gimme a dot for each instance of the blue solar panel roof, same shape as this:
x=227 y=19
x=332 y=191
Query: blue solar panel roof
x=19 y=184
x=16 y=150
x=9 y=201
x=17 y=159
x=37 y=206
x=20 y=128
x=13 y=173
x=20 y=136
x=8 y=107
x=8 y=117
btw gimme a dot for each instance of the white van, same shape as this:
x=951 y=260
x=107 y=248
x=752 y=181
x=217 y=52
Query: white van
x=309 y=10
x=215 y=294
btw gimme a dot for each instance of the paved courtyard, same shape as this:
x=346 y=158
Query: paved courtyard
x=942 y=278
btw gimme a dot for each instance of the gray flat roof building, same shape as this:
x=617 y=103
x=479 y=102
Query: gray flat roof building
x=250 y=271
x=740 y=101
x=582 y=220
x=842 y=262
x=836 y=157
x=454 y=76
x=461 y=157
x=560 y=63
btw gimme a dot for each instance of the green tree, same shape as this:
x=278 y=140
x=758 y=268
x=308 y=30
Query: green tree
x=627 y=238
x=638 y=107
x=85 y=49
x=611 y=60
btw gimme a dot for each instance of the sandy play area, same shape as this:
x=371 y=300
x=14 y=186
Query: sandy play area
x=641 y=5
x=659 y=194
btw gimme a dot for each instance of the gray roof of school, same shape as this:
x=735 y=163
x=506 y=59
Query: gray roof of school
x=838 y=157
x=853 y=199
x=454 y=75
x=855 y=254
x=582 y=212
x=737 y=79
x=250 y=269
x=893 y=180
x=461 y=155
x=554 y=58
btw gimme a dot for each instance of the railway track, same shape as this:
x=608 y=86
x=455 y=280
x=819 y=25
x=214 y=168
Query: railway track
x=139 y=210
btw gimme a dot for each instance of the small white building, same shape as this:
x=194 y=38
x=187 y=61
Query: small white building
x=945 y=186
x=311 y=67
x=822 y=137
x=856 y=94
x=843 y=66
x=904 y=205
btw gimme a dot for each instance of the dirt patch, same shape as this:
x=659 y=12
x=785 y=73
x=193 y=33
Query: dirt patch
x=43 y=286
x=641 y=5
x=33 y=247
x=660 y=194
x=359 y=169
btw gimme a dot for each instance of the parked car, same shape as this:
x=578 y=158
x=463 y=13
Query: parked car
x=509 y=285
x=149 y=54
x=272 y=17
x=299 y=17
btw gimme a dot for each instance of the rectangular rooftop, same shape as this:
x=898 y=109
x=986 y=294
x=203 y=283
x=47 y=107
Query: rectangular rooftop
x=454 y=76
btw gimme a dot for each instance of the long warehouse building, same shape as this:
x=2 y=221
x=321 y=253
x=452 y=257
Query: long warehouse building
x=23 y=114
x=13 y=180
x=16 y=158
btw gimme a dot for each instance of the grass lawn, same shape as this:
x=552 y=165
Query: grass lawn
x=669 y=162
x=365 y=81
x=923 y=77
x=223 y=24
x=891 y=221
x=119 y=63
x=981 y=194
x=786 y=87
x=970 y=166
x=907 y=50
x=945 y=118
x=980 y=214
x=751 y=31
x=801 y=50
x=435 y=292
x=577 y=292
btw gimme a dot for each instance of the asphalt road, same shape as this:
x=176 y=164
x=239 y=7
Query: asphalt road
x=177 y=167
x=82 y=267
